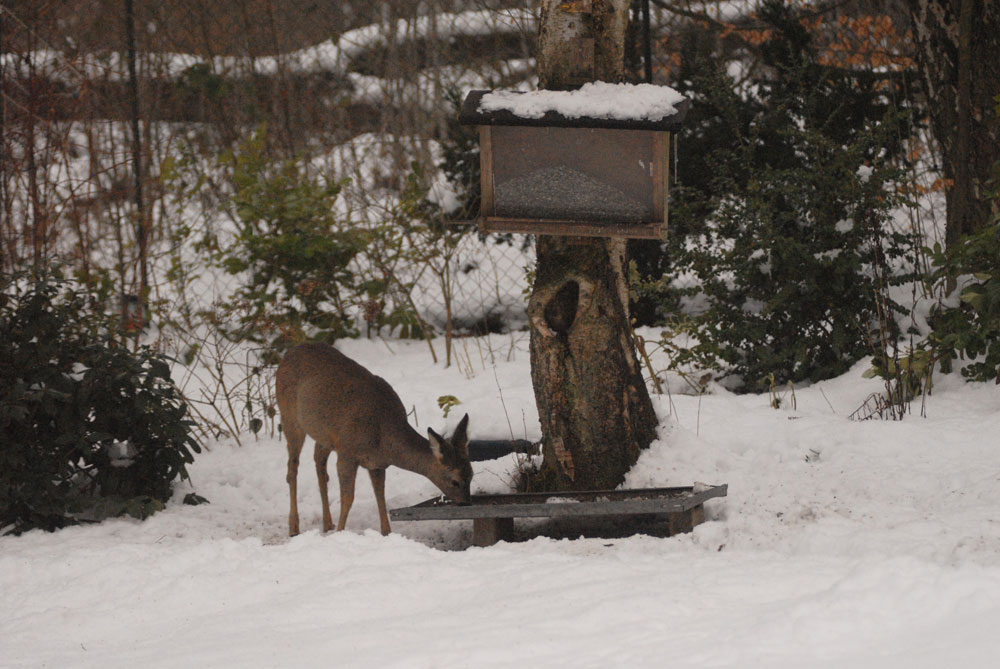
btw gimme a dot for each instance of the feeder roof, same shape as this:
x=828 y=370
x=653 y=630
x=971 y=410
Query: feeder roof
x=595 y=105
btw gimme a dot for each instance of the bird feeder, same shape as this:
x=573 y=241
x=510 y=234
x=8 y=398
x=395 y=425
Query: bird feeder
x=593 y=162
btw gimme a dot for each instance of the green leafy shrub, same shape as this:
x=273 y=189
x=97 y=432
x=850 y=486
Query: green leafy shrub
x=970 y=329
x=965 y=326
x=297 y=254
x=308 y=273
x=88 y=429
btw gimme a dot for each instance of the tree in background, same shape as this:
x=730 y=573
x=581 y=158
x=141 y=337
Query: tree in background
x=958 y=52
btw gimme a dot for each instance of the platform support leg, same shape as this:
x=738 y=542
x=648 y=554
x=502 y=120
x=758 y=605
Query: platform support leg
x=685 y=521
x=488 y=531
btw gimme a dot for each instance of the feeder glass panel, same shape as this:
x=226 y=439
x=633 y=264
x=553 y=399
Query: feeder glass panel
x=577 y=174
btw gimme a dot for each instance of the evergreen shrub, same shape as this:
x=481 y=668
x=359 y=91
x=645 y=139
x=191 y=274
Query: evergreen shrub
x=307 y=270
x=294 y=250
x=782 y=211
x=88 y=429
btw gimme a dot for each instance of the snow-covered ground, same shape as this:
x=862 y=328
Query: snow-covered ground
x=840 y=544
x=332 y=56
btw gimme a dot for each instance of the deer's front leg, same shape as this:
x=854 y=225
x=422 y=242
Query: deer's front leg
x=378 y=484
x=347 y=470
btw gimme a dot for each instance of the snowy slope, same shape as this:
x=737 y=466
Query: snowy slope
x=840 y=544
x=331 y=57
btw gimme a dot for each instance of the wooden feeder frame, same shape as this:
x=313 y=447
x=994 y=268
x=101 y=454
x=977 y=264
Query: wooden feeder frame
x=605 y=145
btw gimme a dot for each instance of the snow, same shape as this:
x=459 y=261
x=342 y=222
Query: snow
x=871 y=544
x=330 y=56
x=596 y=99
x=840 y=544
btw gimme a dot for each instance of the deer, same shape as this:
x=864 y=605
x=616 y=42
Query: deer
x=345 y=408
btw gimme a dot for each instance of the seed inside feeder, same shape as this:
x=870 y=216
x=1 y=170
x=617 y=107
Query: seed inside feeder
x=563 y=192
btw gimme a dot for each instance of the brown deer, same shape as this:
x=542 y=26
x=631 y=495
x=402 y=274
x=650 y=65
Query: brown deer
x=345 y=408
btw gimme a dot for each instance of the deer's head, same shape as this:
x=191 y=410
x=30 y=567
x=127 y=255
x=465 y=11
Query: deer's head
x=452 y=472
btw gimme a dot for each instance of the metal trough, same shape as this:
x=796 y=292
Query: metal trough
x=493 y=515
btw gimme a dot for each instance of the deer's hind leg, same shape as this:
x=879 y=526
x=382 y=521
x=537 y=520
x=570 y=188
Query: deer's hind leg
x=322 y=455
x=295 y=439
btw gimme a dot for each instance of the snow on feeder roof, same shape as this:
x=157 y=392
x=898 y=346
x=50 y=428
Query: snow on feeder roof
x=589 y=162
x=594 y=105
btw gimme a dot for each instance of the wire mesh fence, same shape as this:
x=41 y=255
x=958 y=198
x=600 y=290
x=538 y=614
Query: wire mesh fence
x=207 y=74
x=489 y=286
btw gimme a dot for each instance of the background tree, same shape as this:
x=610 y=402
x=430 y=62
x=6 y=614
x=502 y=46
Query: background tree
x=593 y=405
x=958 y=53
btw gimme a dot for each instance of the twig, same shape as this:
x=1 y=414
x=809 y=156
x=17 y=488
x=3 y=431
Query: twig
x=827 y=401
x=641 y=346
x=503 y=404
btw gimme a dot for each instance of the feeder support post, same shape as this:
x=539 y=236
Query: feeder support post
x=595 y=411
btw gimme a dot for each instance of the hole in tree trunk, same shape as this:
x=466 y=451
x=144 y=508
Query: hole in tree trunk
x=560 y=312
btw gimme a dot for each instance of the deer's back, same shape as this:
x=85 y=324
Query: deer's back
x=335 y=400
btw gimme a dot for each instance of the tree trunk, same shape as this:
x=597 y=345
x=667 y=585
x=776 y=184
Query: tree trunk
x=141 y=224
x=594 y=408
x=958 y=51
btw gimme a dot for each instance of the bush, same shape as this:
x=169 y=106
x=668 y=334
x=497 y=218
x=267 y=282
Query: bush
x=965 y=325
x=295 y=251
x=88 y=429
x=970 y=329
x=780 y=218
x=307 y=272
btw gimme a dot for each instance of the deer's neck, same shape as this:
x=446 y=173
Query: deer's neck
x=412 y=451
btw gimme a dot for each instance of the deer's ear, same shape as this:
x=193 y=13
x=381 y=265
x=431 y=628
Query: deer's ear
x=460 y=438
x=436 y=443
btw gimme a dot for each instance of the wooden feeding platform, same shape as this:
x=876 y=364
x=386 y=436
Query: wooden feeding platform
x=493 y=515
x=588 y=163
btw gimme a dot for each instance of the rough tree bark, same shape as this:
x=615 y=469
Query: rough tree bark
x=958 y=52
x=595 y=411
